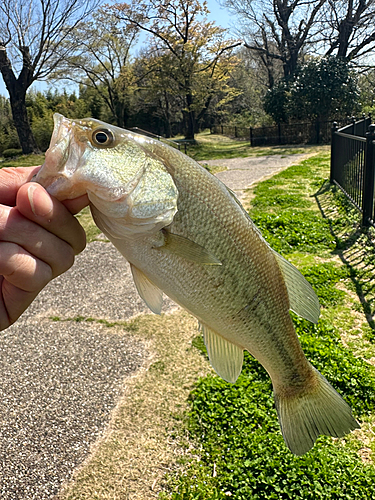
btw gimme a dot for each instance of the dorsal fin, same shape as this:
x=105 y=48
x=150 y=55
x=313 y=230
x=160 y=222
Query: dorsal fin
x=302 y=298
x=225 y=357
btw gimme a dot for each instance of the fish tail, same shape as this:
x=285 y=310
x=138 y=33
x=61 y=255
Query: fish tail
x=306 y=415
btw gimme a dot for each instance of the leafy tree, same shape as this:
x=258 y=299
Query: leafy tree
x=41 y=107
x=159 y=95
x=322 y=89
x=31 y=31
x=276 y=102
x=102 y=62
x=246 y=109
x=366 y=85
x=8 y=134
x=195 y=52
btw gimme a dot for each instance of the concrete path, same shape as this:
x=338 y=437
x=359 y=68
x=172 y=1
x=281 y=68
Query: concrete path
x=242 y=172
x=60 y=379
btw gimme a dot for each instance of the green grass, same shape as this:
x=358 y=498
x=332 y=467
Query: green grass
x=242 y=454
x=87 y=222
x=23 y=161
x=211 y=147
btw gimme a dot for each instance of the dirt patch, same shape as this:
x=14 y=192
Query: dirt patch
x=144 y=440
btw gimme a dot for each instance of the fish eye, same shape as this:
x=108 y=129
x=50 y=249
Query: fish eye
x=102 y=137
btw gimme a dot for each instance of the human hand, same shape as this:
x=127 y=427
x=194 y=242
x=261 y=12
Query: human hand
x=39 y=238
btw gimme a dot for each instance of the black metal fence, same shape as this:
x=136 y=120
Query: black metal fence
x=283 y=133
x=353 y=165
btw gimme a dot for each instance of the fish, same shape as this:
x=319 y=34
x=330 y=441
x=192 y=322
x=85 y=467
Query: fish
x=186 y=235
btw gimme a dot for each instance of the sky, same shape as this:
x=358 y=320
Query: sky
x=221 y=16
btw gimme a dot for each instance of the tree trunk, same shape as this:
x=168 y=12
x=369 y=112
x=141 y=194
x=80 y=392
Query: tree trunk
x=290 y=64
x=17 y=89
x=345 y=31
x=21 y=122
x=190 y=118
x=168 y=128
x=167 y=114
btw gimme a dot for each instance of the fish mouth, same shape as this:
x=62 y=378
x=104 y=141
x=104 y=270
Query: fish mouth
x=61 y=161
x=59 y=122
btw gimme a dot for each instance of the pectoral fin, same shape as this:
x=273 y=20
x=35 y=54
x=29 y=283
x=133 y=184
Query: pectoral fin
x=302 y=298
x=225 y=357
x=187 y=249
x=150 y=293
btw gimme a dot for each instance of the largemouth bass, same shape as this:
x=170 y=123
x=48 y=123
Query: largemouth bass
x=185 y=234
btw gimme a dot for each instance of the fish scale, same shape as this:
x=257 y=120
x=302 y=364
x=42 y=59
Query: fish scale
x=185 y=234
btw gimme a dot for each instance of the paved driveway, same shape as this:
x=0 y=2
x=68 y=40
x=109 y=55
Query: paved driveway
x=242 y=172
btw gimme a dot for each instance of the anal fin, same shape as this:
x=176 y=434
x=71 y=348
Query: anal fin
x=149 y=292
x=226 y=358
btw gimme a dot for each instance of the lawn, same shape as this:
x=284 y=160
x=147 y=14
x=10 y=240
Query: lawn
x=181 y=433
x=214 y=146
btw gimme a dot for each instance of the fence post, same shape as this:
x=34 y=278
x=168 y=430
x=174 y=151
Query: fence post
x=353 y=125
x=368 y=178
x=363 y=125
x=317 y=131
x=251 y=137
x=334 y=129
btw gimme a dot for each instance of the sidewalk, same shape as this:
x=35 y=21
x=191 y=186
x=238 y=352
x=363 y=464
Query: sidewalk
x=60 y=380
x=242 y=172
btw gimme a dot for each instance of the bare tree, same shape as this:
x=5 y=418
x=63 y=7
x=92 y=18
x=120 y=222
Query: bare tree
x=278 y=30
x=284 y=31
x=31 y=31
x=348 y=28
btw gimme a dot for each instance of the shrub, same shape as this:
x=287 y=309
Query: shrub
x=10 y=153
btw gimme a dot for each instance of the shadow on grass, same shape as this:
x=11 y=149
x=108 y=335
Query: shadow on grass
x=355 y=245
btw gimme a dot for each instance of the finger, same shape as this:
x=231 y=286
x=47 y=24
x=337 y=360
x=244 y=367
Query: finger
x=34 y=239
x=11 y=179
x=13 y=302
x=22 y=278
x=77 y=204
x=22 y=269
x=34 y=203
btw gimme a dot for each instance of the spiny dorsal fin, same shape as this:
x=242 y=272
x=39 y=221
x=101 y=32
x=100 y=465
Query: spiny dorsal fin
x=302 y=298
x=225 y=357
x=188 y=249
x=150 y=293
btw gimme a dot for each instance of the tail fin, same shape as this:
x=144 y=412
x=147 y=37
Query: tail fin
x=305 y=416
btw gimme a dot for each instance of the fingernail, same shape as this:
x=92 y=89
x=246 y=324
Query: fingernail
x=41 y=204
